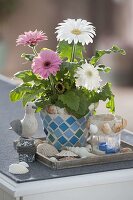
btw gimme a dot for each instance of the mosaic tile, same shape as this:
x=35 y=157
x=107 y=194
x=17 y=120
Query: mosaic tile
x=74 y=140
x=68 y=133
x=58 y=133
x=48 y=118
x=53 y=125
x=51 y=138
x=63 y=127
x=70 y=120
x=45 y=124
x=75 y=126
x=58 y=120
x=79 y=133
x=62 y=140
x=81 y=120
x=45 y=131
x=58 y=145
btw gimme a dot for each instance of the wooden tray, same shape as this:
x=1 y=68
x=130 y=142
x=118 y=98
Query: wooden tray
x=98 y=159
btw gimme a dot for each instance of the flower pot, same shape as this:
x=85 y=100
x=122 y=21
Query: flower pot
x=64 y=130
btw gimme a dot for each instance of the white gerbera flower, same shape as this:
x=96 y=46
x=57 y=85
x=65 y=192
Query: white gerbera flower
x=79 y=30
x=88 y=76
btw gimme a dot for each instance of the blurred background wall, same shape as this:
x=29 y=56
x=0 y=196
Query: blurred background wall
x=113 y=20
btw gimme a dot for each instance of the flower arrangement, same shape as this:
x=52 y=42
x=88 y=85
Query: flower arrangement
x=66 y=77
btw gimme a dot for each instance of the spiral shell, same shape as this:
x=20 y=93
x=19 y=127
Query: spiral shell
x=124 y=123
x=47 y=150
x=106 y=128
x=66 y=153
x=18 y=169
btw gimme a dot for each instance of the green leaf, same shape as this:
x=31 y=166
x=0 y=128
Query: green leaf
x=111 y=104
x=26 y=76
x=100 y=53
x=65 y=50
x=17 y=93
x=28 y=57
x=103 y=68
x=70 y=99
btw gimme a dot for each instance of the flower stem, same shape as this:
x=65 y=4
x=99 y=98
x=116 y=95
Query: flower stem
x=73 y=53
x=52 y=83
x=34 y=51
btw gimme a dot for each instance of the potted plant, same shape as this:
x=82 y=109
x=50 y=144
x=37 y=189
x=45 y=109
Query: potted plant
x=65 y=84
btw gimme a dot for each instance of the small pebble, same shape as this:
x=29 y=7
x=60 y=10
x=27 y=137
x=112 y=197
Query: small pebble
x=53 y=159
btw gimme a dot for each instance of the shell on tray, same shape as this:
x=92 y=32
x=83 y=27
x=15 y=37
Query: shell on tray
x=93 y=129
x=81 y=151
x=47 y=150
x=18 y=169
x=126 y=150
x=88 y=124
x=24 y=164
x=66 y=153
x=117 y=127
x=106 y=128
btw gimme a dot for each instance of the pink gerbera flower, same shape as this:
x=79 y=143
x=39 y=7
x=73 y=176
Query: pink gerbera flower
x=46 y=63
x=31 y=38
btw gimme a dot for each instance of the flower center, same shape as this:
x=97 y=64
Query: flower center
x=47 y=64
x=89 y=73
x=76 y=31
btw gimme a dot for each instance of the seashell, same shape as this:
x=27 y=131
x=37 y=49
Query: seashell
x=88 y=124
x=106 y=128
x=66 y=153
x=117 y=127
x=67 y=158
x=126 y=150
x=24 y=164
x=124 y=123
x=47 y=150
x=51 y=109
x=53 y=159
x=39 y=141
x=81 y=151
x=89 y=148
x=18 y=169
x=93 y=129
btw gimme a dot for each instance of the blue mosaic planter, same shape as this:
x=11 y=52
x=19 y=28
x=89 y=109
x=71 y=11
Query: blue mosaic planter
x=62 y=132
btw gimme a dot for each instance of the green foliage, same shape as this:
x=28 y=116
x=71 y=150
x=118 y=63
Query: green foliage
x=26 y=76
x=28 y=57
x=100 y=53
x=65 y=51
x=76 y=100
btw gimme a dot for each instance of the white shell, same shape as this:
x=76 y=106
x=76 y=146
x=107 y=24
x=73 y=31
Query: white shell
x=53 y=159
x=89 y=148
x=24 y=164
x=106 y=128
x=66 y=153
x=81 y=151
x=93 y=129
x=47 y=150
x=18 y=169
